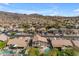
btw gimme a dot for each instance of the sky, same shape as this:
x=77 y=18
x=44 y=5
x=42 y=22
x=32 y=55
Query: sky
x=49 y=9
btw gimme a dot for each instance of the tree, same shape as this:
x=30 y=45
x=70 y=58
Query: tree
x=2 y=44
x=53 y=52
x=33 y=52
x=69 y=52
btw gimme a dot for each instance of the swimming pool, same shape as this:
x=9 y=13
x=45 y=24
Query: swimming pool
x=6 y=53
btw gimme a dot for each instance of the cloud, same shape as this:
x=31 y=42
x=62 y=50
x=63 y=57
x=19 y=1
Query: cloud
x=4 y=3
x=76 y=10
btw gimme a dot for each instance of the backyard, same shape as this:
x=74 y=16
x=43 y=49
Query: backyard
x=52 y=52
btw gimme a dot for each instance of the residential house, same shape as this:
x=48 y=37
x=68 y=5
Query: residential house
x=75 y=43
x=21 y=42
x=61 y=43
x=3 y=37
x=39 y=41
x=2 y=29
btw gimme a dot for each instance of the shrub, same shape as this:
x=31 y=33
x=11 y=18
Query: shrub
x=53 y=52
x=33 y=52
x=13 y=33
x=2 y=44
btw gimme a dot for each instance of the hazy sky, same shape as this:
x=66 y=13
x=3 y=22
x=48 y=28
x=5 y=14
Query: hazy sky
x=59 y=9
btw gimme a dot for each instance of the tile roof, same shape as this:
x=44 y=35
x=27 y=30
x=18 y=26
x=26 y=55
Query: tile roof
x=39 y=38
x=76 y=43
x=19 y=42
x=61 y=43
x=3 y=37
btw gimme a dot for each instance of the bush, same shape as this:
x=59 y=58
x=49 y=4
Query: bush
x=33 y=52
x=13 y=33
x=69 y=52
x=53 y=52
x=2 y=44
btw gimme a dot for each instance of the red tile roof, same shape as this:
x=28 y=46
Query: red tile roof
x=20 y=42
x=61 y=43
x=76 y=43
x=39 y=38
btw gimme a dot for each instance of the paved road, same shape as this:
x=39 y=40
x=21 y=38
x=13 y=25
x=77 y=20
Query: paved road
x=70 y=36
x=30 y=35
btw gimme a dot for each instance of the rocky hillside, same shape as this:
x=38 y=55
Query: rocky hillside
x=36 y=20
